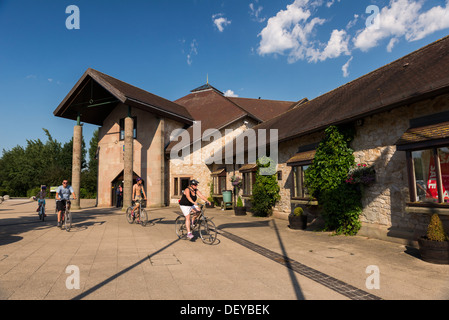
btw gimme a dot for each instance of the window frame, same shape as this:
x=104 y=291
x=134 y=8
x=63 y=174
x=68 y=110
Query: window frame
x=121 y=133
x=298 y=189
x=412 y=177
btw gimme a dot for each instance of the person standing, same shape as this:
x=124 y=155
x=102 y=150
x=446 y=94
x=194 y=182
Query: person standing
x=119 y=193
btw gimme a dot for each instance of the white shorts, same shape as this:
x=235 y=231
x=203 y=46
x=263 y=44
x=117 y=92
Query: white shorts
x=186 y=209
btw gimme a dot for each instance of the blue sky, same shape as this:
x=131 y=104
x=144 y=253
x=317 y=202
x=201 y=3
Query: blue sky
x=283 y=49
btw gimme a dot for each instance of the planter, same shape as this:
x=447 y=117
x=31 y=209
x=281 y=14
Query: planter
x=434 y=251
x=297 y=222
x=240 y=211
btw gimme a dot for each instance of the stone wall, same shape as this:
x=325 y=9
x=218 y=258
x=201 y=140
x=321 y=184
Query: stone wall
x=384 y=203
x=194 y=167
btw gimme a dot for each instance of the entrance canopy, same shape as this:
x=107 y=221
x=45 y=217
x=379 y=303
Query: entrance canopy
x=96 y=94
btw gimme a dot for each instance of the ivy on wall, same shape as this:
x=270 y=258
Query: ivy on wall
x=326 y=180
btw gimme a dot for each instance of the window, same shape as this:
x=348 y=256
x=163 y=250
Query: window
x=248 y=172
x=249 y=178
x=219 y=181
x=430 y=179
x=299 y=188
x=180 y=184
x=176 y=187
x=122 y=128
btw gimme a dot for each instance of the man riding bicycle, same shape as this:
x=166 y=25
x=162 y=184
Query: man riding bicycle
x=63 y=198
x=189 y=205
x=137 y=194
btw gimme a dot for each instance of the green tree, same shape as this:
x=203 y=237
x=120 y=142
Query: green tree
x=265 y=190
x=23 y=169
x=89 y=176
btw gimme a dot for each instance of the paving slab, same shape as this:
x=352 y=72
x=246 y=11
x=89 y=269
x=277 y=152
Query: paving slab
x=253 y=259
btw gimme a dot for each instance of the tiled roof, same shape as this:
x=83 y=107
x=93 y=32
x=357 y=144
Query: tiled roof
x=426 y=133
x=107 y=86
x=417 y=76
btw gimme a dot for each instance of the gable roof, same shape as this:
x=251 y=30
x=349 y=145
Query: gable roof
x=414 y=77
x=96 y=94
x=216 y=111
x=263 y=109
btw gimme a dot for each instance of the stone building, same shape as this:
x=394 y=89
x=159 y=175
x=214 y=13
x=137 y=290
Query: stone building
x=135 y=128
x=400 y=113
x=139 y=131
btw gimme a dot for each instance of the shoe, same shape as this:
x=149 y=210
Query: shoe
x=59 y=224
x=190 y=236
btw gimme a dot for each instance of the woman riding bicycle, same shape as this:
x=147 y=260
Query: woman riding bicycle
x=189 y=205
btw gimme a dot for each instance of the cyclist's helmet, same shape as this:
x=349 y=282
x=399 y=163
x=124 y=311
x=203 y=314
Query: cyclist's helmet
x=43 y=187
x=194 y=182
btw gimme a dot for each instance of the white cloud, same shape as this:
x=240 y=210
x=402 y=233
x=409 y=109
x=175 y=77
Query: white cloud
x=192 y=52
x=403 y=18
x=220 y=21
x=391 y=44
x=346 y=67
x=230 y=93
x=292 y=31
x=337 y=45
x=255 y=12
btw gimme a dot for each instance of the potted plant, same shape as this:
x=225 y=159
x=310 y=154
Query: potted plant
x=239 y=209
x=434 y=247
x=298 y=219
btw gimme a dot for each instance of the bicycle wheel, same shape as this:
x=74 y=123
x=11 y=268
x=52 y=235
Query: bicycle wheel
x=143 y=217
x=129 y=215
x=180 y=227
x=68 y=221
x=208 y=231
x=42 y=213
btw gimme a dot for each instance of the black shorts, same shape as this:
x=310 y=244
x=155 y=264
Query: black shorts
x=60 y=205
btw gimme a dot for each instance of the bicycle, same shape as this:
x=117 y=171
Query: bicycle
x=204 y=225
x=66 y=216
x=40 y=208
x=141 y=215
x=41 y=211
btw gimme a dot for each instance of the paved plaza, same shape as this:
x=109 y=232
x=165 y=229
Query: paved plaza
x=252 y=259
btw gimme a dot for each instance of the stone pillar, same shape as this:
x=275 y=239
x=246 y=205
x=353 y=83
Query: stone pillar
x=128 y=165
x=76 y=165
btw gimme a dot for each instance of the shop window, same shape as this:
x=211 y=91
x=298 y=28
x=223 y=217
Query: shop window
x=430 y=175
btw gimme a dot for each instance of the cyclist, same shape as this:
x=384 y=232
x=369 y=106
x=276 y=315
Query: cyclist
x=189 y=205
x=137 y=194
x=63 y=197
x=40 y=197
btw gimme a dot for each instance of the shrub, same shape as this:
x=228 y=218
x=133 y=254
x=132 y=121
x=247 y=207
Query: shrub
x=266 y=189
x=239 y=202
x=298 y=211
x=435 y=231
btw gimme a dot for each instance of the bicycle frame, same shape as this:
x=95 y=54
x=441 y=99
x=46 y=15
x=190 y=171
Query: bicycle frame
x=208 y=234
